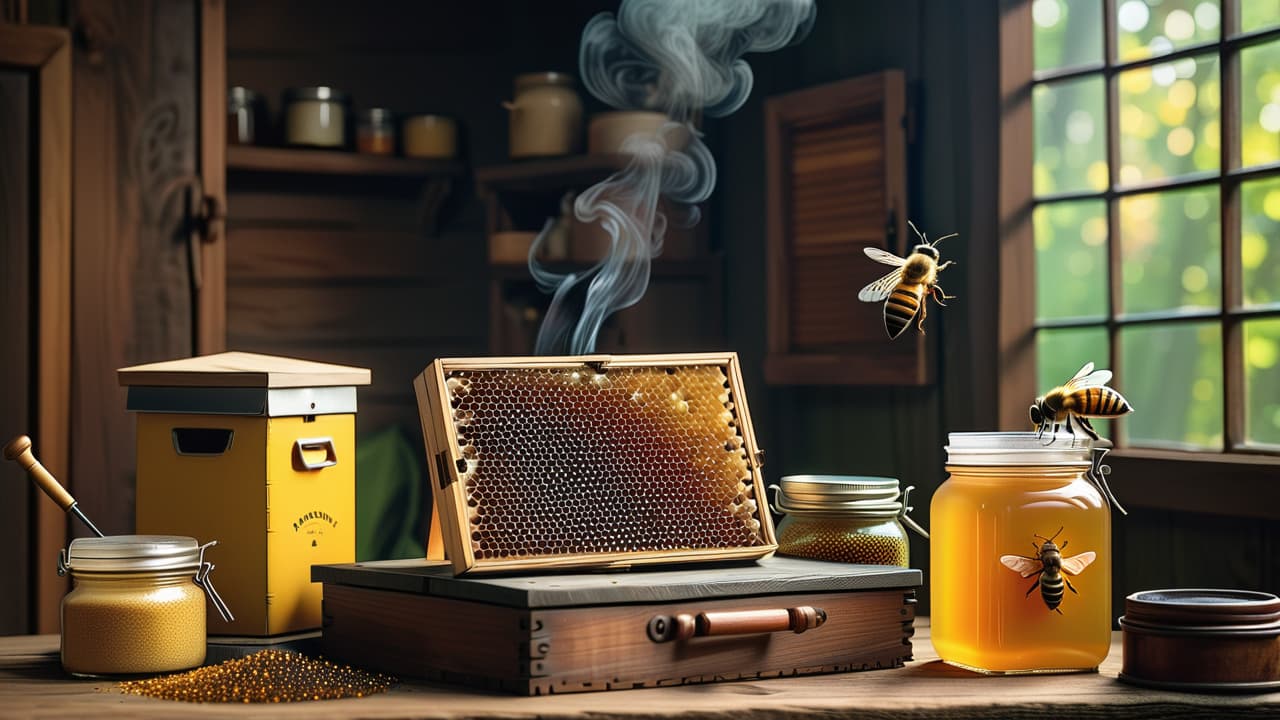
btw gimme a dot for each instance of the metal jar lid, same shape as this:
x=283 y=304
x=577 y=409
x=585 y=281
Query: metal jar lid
x=1017 y=449
x=241 y=96
x=317 y=92
x=133 y=553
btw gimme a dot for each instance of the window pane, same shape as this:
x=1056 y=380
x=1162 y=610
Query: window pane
x=1172 y=376
x=1146 y=28
x=1260 y=241
x=1170 y=250
x=1262 y=381
x=1169 y=120
x=1259 y=14
x=1061 y=353
x=1070 y=136
x=1260 y=104
x=1071 y=259
x=1068 y=33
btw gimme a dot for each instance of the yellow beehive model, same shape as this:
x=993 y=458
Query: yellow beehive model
x=258 y=453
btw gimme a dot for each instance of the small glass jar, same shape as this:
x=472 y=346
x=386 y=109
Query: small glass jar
x=315 y=117
x=135 y=606
x=1021 y=556
x=430 y=136
x=844 y=519
x=246 y=117
x=546 y=115
x=376 y=132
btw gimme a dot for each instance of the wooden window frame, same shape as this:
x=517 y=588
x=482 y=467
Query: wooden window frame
x=1241 y=480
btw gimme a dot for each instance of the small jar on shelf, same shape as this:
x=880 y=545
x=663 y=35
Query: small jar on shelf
x=315 y=117
x=376 y=132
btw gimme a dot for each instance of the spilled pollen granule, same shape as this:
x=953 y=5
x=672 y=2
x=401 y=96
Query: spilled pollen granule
x=265 y=676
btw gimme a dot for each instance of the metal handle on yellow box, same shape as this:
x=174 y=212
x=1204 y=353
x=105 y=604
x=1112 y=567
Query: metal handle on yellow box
x=665 y=628
x=302 y=445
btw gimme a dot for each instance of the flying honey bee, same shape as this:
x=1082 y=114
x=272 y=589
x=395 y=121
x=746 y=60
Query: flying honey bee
x=903 y=290
x=1049 y=566
x=1083 y=396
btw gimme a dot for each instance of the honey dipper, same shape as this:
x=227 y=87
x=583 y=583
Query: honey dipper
x=19 y=450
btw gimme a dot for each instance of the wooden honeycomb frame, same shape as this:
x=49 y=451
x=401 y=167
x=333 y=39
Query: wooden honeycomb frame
x=459 y=474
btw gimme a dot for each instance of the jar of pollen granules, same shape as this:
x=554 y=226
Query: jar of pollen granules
x=844 y=519
x=136 y=605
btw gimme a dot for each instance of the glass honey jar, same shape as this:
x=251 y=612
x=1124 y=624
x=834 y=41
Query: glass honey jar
x=1020 y=556
x=844 y=519
x=137 y=605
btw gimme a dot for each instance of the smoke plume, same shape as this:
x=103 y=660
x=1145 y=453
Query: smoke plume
x=682 y=58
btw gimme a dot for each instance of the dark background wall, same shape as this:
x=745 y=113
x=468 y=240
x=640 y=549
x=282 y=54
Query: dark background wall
x=460 y=59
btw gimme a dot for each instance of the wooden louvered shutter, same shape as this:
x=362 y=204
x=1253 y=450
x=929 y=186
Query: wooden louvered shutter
x=836 y=184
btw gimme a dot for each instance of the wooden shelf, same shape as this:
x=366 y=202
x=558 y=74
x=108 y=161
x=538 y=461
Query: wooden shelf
x=691 y=267
x=549 y=174
x=295 y=161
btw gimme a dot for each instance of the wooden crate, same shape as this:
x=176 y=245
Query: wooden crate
x=536 y=635
x=592 y=461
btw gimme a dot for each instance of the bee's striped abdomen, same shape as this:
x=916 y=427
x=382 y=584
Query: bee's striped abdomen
x=902 y=305
x=1099 y=402
x=1051 y=588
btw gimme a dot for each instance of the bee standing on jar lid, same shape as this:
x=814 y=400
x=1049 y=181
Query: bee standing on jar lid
x=1084 y=396
x=904 y=289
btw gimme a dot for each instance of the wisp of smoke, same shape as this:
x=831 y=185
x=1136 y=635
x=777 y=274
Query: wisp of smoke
x=683 y=58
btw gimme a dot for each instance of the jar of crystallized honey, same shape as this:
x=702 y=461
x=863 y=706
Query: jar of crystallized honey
x=1020 y=559
x=136 y=605
x=844 y=519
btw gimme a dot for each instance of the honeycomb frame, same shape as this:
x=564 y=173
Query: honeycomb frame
x=495 y=494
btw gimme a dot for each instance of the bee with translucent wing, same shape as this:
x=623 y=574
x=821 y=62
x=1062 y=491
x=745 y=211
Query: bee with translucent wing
x=1050 y=568
x=1084 y=396
x=903 y=290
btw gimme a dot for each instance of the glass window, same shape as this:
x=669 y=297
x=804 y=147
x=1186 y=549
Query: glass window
x=1169 y=250
x=1153 y=256
x=1068 y=33
x=1071 y=149
x=1147 y=28
x=1180 y=405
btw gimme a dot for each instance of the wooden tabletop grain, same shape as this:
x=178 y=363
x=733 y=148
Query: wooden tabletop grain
x=32 y=685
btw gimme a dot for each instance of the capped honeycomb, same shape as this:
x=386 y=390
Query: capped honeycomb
x=561 y=461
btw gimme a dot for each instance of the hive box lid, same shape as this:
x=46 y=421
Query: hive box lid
x=244 y=370
x=768 y=576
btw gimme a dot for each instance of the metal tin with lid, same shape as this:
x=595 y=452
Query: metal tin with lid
x=315 y=116
x=1202 y=640
x=844 y=518
x=137 y=605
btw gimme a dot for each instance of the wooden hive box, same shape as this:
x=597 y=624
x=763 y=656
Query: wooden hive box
x=536 y=635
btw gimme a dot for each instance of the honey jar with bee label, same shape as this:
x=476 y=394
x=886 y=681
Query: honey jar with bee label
x=1020 y=555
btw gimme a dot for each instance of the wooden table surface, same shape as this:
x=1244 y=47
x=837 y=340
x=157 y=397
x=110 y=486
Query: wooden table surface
x=32 y=685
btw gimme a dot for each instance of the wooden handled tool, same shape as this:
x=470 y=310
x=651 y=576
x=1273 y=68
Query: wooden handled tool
x=19 y=450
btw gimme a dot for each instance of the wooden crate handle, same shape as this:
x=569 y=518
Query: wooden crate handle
x=681 y=626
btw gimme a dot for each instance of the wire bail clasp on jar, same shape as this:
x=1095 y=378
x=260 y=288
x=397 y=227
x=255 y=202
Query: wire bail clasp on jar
x=202 y=579
x=906 y=519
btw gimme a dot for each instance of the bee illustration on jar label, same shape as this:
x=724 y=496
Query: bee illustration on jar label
x=1083 y=396
x=904 y=289
x=1050 y=569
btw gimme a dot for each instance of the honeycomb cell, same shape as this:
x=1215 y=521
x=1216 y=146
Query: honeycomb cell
x=563 y=461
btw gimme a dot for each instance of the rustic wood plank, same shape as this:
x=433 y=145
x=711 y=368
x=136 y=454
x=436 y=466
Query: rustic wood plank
x=136 y=153
x=324 y=314
x=768 y=576
x=241 y=369
x=17 y=299
x=260 y=254
x=46 y=54
x=211 y=290
x=34 y=686
x=247 y=158
x=276 y=206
